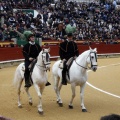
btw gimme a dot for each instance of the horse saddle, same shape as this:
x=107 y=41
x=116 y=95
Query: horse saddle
x=31 y=66
x=69 y=63
x=23 y=68
x=61 y=65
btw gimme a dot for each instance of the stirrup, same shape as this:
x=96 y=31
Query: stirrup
x=64 y=83
x=47 y=84
x=27 y=85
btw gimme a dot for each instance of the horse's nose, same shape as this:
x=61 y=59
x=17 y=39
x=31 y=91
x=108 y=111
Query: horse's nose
x=48 y=67
x=94 y=68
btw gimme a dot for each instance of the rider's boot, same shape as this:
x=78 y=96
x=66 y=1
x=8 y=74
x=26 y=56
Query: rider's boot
x=47 y=84
x=27 y=82
x=64 y=80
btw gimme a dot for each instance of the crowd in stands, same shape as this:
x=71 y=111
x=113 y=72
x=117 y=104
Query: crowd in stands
x=94 y=21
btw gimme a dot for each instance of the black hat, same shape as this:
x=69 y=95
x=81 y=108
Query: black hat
x=28 y=34
x=69 y=34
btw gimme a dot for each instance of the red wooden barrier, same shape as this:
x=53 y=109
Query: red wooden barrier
x=13 y=53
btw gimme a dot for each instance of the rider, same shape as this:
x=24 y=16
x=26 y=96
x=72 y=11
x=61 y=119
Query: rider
x=68 y=49
x=30 y=52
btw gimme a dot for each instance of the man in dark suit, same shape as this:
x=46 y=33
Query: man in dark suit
x=67 y=49
x=30 y=52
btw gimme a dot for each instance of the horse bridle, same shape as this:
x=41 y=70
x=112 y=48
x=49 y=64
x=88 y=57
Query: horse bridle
x=91 y=58
x=47 y=60
x=90 y=61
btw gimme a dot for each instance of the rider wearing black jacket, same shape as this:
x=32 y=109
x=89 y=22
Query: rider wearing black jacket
x=30 y=52
x=68 y=49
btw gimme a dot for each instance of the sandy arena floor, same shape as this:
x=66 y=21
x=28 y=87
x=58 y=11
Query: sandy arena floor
x=97 y=103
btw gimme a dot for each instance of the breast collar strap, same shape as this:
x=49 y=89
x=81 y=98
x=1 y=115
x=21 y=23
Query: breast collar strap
x=80 y=65
x=39 y=66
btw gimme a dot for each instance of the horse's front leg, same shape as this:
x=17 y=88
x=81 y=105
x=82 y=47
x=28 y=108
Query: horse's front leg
x=39 y=91
x=73 y=86
x=29 y=96
x=57 y=89
x=82 y=97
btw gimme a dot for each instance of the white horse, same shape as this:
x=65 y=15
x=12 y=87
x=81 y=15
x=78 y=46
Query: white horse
x=77 y=74
x=39 y=77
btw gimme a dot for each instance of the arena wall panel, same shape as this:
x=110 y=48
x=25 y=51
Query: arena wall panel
x=13 y=53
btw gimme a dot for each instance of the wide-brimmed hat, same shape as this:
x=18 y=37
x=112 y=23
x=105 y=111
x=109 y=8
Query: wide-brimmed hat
x=69 y=34
x=28 y=34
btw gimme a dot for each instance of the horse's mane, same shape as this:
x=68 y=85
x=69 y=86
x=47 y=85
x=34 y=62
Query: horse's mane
x=85 y=52
x=43 y=50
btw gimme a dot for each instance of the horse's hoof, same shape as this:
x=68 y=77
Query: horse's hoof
x=30 y=103
x=40 y=112
x=19 y=106
x=70 y=107
x=61 y=104
x=84 y=110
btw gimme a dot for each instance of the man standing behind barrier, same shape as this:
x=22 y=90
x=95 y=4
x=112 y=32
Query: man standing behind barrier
x=68 y=49
x=30 y=51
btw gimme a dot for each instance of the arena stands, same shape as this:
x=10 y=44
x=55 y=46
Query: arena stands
x=94 y=21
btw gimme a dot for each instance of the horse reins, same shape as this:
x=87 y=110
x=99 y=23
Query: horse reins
x=90 y=60
x=47 y=59
x=80 y=65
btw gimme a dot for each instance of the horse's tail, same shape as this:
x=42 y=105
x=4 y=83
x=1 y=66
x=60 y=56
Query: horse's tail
x=18 y=77
x=55 y=69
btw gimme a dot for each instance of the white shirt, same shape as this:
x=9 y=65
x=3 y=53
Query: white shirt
x=32 y=43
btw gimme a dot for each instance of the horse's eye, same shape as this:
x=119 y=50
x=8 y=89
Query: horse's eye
x=92 y=57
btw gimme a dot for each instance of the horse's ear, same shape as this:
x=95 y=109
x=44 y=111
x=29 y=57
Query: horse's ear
x=95 y=49
x=43 y=49
x=49 y=49
x=89 y=47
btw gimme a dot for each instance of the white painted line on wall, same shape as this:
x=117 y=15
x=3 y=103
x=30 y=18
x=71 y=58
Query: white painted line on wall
x=100 y=89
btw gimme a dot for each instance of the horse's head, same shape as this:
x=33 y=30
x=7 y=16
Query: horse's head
x=92 y=59
x=45 y=57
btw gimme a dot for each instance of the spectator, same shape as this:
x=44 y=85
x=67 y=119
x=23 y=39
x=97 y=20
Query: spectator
x=114 y=4
x=84 y=16
x=4 y=118
x=1 y=35
x=110 y=117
